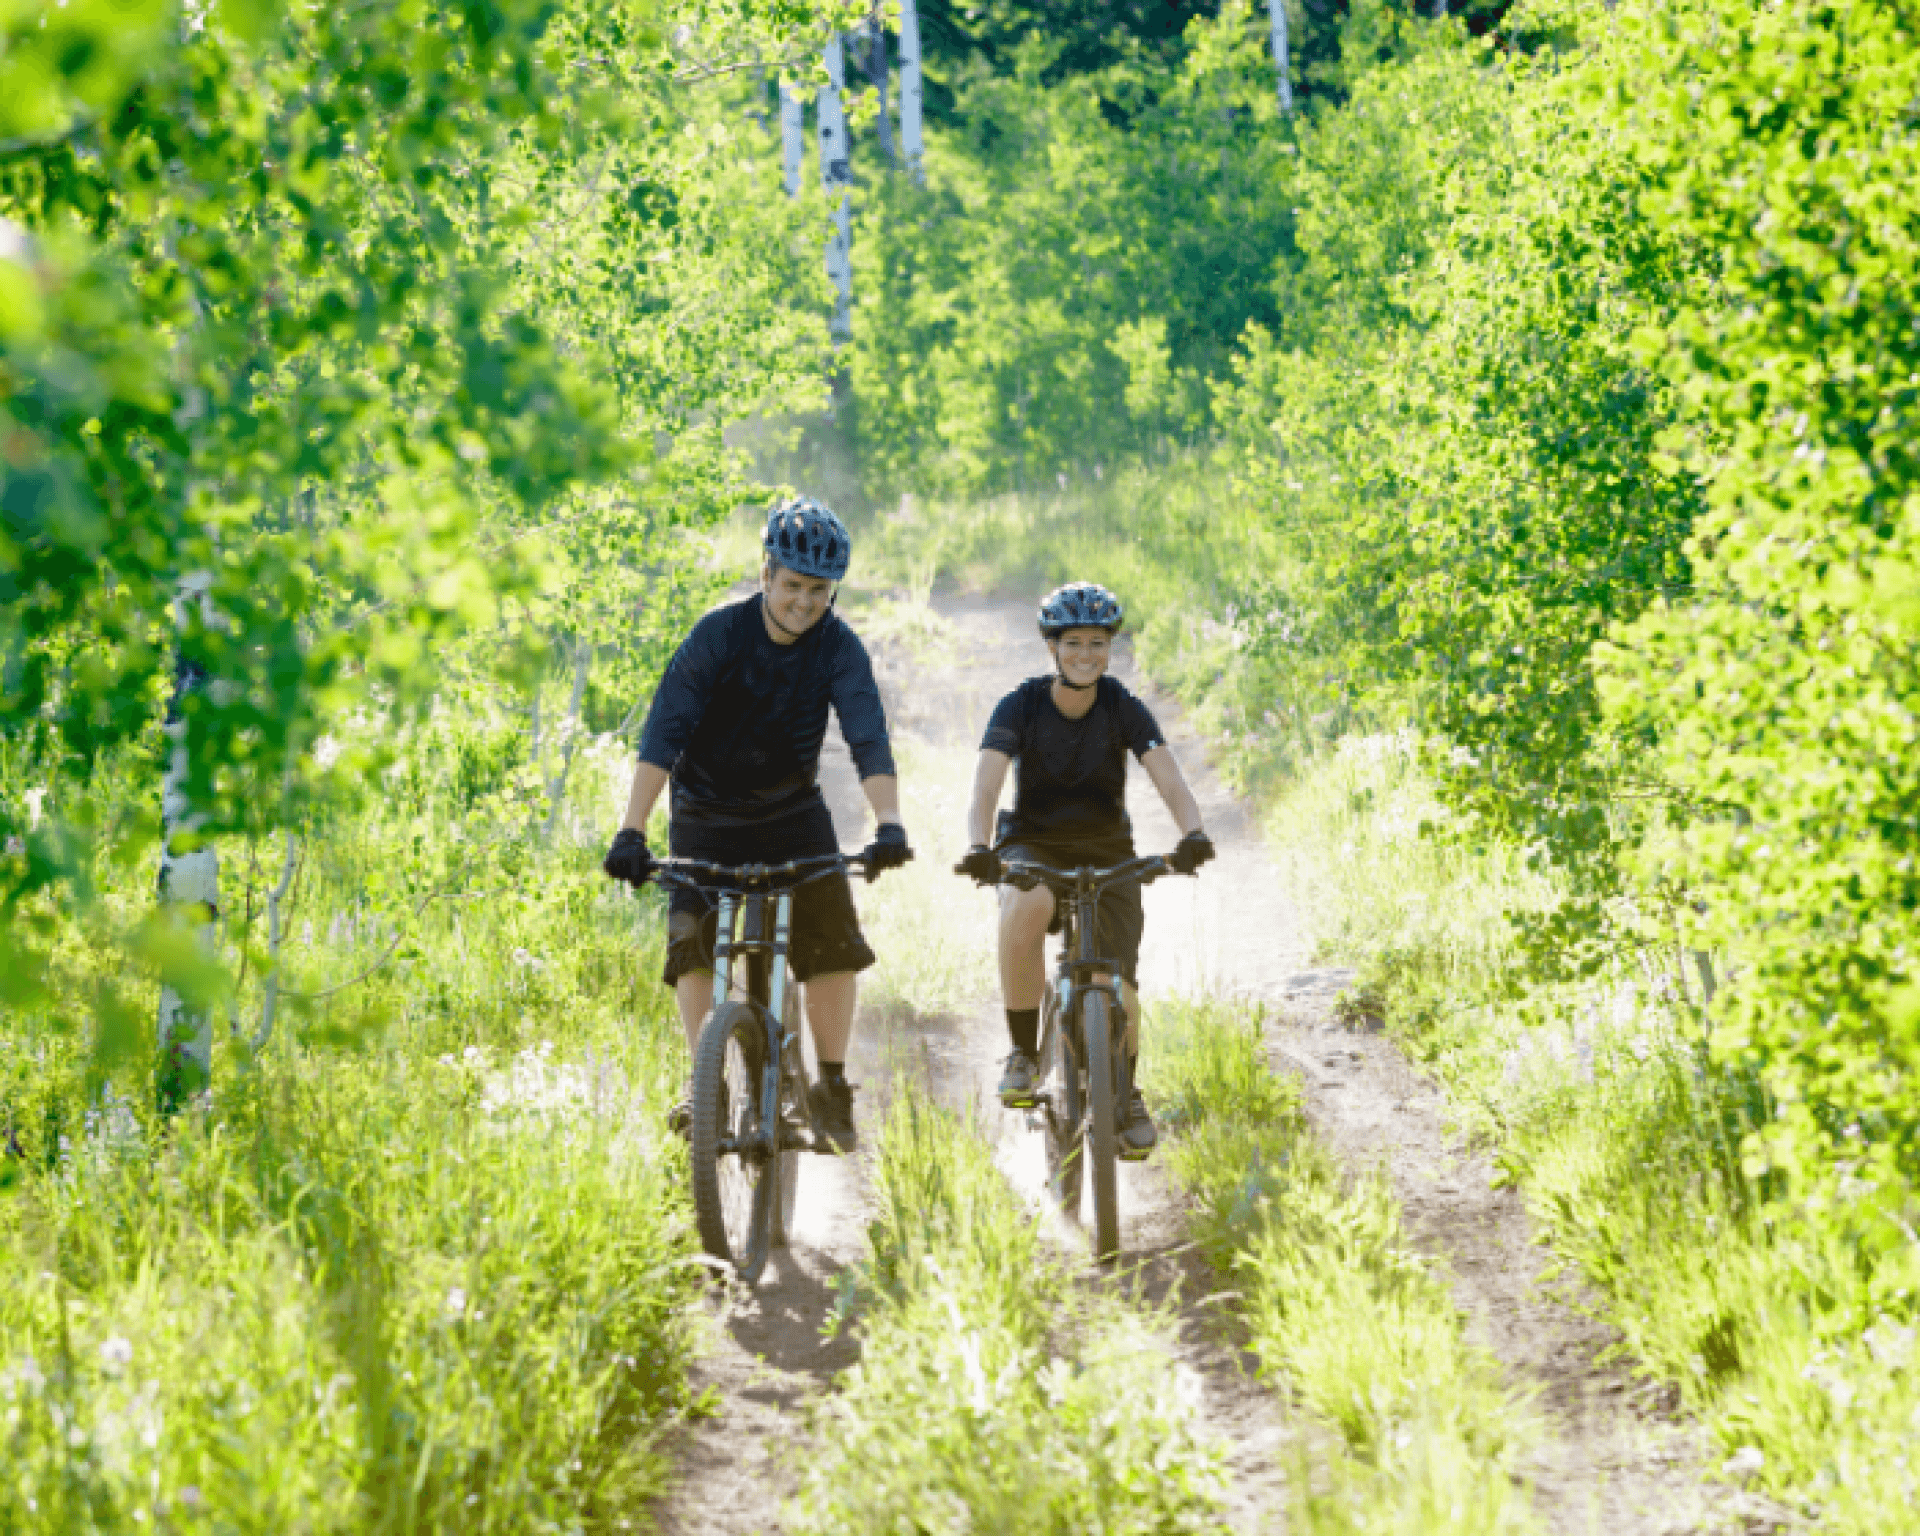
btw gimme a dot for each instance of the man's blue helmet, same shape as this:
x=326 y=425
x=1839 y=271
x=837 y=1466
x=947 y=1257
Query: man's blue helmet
x=1080 y=605
x=806 y=538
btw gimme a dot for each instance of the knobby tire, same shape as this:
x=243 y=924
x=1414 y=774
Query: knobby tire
x=733 y=1194
x=787 y=1191
x=1061 y=1113
x=1102 y=1148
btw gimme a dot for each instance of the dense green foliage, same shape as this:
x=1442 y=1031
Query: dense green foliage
x=346 y=352
x=1064 y=284
x=1571 y=393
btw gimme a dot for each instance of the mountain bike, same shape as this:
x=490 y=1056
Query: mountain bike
x=1085 y=1083
x=752 y=1115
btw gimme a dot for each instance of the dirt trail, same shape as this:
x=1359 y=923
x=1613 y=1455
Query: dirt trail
x=1610 y=1460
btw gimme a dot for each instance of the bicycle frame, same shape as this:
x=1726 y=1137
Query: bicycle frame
x=741 y=933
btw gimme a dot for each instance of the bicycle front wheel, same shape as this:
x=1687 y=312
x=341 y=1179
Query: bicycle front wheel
x=793 y=1113
x=1102 y=1104
x=733 y=1154
x=1062 y=1112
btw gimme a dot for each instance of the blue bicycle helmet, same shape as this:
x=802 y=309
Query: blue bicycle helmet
x=805 y=537
x=1080 y=605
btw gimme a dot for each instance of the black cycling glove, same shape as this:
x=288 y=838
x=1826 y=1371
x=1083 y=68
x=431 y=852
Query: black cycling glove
x=888 y=850
x=1194 y=850
x=983 y=864
x=629 y=858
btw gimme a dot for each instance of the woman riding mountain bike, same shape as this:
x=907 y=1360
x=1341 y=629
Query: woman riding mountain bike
x=1067 y=734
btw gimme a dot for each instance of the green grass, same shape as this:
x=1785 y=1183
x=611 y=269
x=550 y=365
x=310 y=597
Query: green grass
x=993 y=1393
x=1342 y=1313
x=423 y=1266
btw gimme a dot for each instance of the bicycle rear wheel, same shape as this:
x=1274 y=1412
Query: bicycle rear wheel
x=731 y=1153
x=1102 y=1083
x=1062 y=1111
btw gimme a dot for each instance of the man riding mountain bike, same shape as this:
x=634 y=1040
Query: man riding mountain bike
x=737 y=726
x=1069 y=733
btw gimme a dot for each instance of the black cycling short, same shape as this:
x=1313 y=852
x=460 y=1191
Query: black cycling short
x=826 y=935
x=1119 y=920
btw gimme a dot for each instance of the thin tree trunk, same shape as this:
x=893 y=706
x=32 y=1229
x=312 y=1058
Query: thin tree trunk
x=793 y=138
x=276 y=899
x=189 y=875
x=557 y=786
x=1277 y=9
x=910 y=142
x=759 y=108
x=836 y=175
x=877 y=73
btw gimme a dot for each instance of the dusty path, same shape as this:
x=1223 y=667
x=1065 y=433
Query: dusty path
x=1611 y=1459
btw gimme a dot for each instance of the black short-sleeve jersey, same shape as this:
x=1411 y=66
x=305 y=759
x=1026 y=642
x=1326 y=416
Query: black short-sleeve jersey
x=1070 y=776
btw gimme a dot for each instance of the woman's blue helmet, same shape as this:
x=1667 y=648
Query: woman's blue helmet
x=806 y=538
x=1080 y=605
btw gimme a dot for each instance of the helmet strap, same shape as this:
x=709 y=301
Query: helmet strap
x=1066 y=682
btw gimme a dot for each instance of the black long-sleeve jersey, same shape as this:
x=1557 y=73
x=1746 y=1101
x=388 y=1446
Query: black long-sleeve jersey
x=739 y=721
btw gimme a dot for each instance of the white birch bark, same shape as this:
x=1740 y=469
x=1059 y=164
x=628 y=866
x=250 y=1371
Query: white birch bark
x=557 y=785
x=877 y=73
x=836 y=175
x=276 y=936
x=189 y=876
x=793 y=138
x=1277 y=9
x=910 y=140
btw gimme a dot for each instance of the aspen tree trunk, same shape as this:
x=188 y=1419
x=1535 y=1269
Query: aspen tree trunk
x=837 y=176
x=557 y=785
x=189 y=875
x=1277 y=9
x=910 y=142
x=877 y=73
x=793 y=138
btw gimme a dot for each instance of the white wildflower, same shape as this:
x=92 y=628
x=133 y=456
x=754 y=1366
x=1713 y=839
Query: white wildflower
x=456 y=1302
x=116 y=1354
x=1744 y=1464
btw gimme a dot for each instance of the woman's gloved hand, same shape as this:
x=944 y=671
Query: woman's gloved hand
x=1194 y=850
x=983 y=864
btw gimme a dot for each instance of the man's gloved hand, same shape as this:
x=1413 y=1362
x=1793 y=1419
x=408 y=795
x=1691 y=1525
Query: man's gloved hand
x=629 y=858
x=983 y=864
x=1194 y=850
x=888 y=850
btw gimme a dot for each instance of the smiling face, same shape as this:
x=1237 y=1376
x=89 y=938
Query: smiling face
x=794 y=602
x=1082 y=655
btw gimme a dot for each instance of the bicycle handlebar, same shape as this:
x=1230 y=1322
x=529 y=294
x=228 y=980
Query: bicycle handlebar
x=772 y=877
x=1024 y=874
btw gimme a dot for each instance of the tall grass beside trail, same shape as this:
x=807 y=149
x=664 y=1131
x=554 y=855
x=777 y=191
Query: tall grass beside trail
x=1790 y=1330
x=1361 y=1331
x=424 y=1264
x=992 y=1393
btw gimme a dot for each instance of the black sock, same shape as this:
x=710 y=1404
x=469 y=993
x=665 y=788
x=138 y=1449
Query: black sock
x=1024 y=1025
x=833 y=1071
